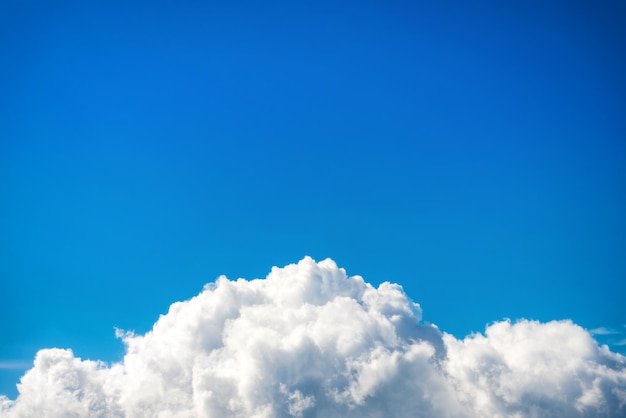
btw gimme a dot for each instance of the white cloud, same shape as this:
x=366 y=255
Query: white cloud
x=309 y=341
x=15 y=364
x=604 y=331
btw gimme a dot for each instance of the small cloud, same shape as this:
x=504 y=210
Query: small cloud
x=604 y=331
x=620 y=342
x=15 y=365
x=123 y=334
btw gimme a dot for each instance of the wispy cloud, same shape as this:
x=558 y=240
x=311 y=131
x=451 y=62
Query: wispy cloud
x=604 y=331
x=15 y=364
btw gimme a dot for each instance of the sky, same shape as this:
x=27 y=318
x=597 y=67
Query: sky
x=473 y=154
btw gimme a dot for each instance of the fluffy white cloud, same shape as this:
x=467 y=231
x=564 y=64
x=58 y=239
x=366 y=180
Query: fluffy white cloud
x=309 y=341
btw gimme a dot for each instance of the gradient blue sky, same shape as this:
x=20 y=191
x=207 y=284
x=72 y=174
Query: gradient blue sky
x=475 y=154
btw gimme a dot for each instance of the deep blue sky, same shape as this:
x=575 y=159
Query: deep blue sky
x=475 y=154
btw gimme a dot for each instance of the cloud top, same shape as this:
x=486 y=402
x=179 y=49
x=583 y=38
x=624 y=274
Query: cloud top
x=310 y=341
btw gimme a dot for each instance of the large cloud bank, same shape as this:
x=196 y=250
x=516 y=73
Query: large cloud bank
x=308 y=341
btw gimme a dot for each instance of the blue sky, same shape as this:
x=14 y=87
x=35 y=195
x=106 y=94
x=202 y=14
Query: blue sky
x=474 y=154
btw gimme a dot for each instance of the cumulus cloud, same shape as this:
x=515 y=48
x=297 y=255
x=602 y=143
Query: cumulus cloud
x=309 y=341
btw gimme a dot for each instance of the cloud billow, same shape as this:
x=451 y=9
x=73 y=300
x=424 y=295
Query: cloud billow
x=309 y=341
